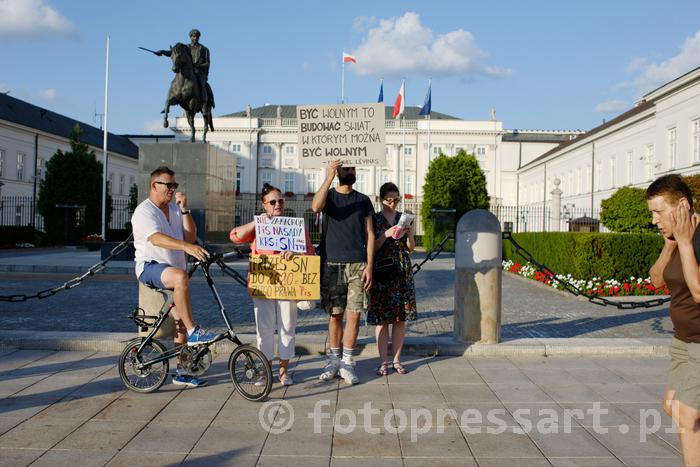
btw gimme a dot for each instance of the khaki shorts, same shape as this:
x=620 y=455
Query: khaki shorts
x=684 y=376
x=342 y=289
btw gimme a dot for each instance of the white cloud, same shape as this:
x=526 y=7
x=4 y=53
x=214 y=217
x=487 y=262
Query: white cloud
x=156 y=126
x=48 y=94
x=656 y=74
x=31 y=19
x=612 y=106
x=5 y=88
x=363 y=23
x=636 y=64
x=402 y=44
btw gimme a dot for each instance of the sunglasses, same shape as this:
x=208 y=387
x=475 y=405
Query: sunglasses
x=272 y=202
x=392 y=200
x=169 y=185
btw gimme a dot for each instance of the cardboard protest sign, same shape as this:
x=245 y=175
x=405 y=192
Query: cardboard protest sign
x=271 y=276
x=353 y=133
x=280 y=233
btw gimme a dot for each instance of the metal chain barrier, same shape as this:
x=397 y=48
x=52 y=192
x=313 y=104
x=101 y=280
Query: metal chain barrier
x=568 y=286
x=235 y=275
x=433 y=253
x=76 y=281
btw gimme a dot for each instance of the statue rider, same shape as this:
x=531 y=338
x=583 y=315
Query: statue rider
x=200 y=61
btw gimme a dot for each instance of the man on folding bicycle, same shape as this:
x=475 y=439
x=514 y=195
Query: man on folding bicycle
x=163 y=232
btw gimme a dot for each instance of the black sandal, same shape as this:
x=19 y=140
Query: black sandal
x=383 y=369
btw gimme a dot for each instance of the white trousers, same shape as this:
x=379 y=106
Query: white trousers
x=280 y=315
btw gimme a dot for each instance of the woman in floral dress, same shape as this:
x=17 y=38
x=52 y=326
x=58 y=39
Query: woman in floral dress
x=393 y=296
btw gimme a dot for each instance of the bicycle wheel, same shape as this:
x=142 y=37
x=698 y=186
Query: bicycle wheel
x=146 y=379
x=250 y=372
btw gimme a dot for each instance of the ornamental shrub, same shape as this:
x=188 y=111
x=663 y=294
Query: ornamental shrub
x=626 y=211
x=451 y=182
x=588 y=255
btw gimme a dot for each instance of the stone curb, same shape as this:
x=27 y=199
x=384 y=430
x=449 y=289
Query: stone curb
x=315 y=345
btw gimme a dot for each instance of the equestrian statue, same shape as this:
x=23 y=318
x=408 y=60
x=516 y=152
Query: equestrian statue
x=190 y=88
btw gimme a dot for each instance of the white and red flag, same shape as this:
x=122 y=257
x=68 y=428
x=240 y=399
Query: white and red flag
x=348 y=58
x=400 y=103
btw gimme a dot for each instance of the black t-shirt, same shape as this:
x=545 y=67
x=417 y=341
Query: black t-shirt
x=345 y=234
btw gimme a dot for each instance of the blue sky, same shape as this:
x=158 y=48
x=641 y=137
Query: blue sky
x=541 y=64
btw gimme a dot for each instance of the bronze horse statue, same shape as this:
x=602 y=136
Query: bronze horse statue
x=184 y=91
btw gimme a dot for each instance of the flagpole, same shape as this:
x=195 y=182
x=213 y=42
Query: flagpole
x=104 y=149
x=430 y=153
x=342 y=84
x=403 y=149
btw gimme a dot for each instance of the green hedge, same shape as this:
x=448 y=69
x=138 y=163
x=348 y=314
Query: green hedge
x=588 y=255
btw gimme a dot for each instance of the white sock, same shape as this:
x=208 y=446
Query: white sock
x=347 y=354
x=190 y=331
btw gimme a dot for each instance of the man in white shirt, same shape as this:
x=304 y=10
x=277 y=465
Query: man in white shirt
x=163 y=232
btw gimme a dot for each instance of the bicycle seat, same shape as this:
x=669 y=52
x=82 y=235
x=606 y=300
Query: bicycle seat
x=157 y=289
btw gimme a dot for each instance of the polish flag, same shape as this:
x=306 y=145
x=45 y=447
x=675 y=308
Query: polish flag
x=348 y=58
x=400 y=103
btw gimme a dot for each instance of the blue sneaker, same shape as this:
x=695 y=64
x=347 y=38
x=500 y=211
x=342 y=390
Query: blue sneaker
x=200 y=336
x=188 y=381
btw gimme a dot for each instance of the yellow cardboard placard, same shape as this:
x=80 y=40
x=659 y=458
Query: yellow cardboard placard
x=271 y=276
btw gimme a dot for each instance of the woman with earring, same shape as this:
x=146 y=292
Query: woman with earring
x=393 y=296
x=273 y=314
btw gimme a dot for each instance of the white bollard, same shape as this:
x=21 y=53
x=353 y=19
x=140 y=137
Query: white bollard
x=478 y=274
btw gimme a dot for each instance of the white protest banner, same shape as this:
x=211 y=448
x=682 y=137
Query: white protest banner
x=353 y=133
x=280 y=233
x=298 y=278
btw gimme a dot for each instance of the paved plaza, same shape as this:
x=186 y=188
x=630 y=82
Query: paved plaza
x=70 y=408
x=102 y=302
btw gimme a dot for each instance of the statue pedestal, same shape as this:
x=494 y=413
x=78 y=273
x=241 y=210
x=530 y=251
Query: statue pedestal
x=206 y=174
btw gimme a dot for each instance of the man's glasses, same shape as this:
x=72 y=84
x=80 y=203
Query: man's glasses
x=168 y=185
x=392 y=200
x=272 y=202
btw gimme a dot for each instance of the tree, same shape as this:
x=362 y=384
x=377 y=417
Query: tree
x=73 y=178
x=133 y=197
x=693 y=182
x=452 y=182
x=626 y=211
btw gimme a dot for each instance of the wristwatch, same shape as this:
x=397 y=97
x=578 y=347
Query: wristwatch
x=184 y=213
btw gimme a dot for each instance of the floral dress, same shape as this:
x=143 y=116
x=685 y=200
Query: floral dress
x=394 y=298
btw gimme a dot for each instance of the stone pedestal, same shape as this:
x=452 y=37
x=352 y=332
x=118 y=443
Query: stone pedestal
x=478 y=275
x=206 y=174
x=151 y=303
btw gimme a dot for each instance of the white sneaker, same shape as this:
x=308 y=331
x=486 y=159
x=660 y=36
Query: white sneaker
x=331 y=368
x=261 y=381
x=347 y=372
x=287 y=381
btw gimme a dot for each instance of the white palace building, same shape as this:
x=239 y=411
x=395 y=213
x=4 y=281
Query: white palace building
x=659 y=135
x=265 y=142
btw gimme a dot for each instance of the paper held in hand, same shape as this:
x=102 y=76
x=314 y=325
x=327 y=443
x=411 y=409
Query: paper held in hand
x=405 y=222
x=280 y=233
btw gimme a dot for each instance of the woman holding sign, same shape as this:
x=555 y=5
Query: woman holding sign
x=393 y=296
x=271 y=314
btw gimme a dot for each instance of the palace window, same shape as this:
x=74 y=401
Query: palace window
x=696 y=140
x=672 y=146
x=21 y=158
x=289 y=182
